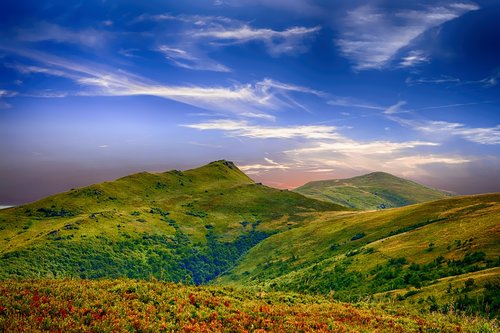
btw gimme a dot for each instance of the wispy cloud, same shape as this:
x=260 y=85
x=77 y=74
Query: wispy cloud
x=6 y=94
x=396 y=108
x=414 y=161
x=258 y=168
x=371 y=36
x=440 y=129
x=288 y=41
x=45 y=31
x=185 y=59
x=323 y=149
x=345 y=145
x=200 y=34
x=485 y=82
x=437 y=80
x=245 y=129
x=414 y=58
x=481 y=135
x=353 y=103
x=30 y=69
x=254 y=100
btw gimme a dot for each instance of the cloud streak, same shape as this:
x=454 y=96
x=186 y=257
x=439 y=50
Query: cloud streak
x=184 y=59
x=253 y=100
x=370 y=37
x=323 y=148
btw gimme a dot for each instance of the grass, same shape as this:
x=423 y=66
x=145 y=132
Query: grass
x=214 y=225
x=153 y=306
x=376 y=190
x=453 y=236
x=177 y=226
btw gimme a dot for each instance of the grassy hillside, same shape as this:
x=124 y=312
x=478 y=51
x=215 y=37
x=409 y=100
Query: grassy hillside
x=152 y=306
x=214 y=224
x=352 y=255
x=376 y=190
x=177 y=226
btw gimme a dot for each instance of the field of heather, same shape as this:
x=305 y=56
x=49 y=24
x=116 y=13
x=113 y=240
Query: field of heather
x=152 y=306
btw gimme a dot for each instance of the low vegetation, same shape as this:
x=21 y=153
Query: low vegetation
x=152 y=306
x=424 y=267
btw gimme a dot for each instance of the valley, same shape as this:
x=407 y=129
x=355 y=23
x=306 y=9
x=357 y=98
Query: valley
x=215 y=228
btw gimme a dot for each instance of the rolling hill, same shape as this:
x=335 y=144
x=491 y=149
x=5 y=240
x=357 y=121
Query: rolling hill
x=409 y=250
x=376 y=190
x=177 y=226
x=214 y=225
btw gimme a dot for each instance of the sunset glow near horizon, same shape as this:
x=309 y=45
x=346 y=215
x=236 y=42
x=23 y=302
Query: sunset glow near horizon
x=291 y=91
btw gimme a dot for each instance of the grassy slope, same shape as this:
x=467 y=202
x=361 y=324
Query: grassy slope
x=372 y=191
x=152 y=306
x=164 y=225
x=325 y=257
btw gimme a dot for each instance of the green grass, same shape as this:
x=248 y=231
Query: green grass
x=372 y=191
x=214 y=225
x=354 y=255
x=178 y=226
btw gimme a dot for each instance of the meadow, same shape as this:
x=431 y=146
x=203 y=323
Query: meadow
x=152 y=306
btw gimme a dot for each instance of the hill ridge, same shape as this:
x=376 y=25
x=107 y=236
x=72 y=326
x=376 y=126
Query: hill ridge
x=375 y=190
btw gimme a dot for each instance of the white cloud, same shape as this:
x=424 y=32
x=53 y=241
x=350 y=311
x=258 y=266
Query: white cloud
x=436 y=80
x=252 y=100
x=321 y=170
x=414 y=58
x=396 y=108
x=354 y=103
x=440 y=129
x=45 y=31
x=288 y=41
x=370 y=37
x=245 y=129
x=184 y=59
x=29 y=69
x=345 y=145
x=485 y=135
x=7 y=93
x=486 y=82
x=129 y=53
x=205 y=33
x=258 y=168
x=321 y=149
x=414 y=161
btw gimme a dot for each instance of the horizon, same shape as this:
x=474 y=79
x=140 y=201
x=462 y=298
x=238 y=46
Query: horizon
x=4 y=206
x=290 y=91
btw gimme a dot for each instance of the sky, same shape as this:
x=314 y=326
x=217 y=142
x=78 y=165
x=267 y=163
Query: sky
x=290 y=90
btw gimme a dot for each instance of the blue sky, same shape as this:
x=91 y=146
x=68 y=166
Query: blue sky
x=291 y=91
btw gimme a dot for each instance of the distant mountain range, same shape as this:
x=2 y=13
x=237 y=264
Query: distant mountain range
x=377 y=190
x=215 y=225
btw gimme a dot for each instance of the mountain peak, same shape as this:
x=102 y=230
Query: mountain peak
x=221 y=171
x=226 y=163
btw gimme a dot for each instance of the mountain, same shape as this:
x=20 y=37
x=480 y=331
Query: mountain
x=376 y=190
x=177 y=226
x=423 y=253
x=214 y=225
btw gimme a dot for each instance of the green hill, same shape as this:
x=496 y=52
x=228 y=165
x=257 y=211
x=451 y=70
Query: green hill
x=354 y=255
x=177 y=226
x=372 y=191
x=215 y=225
